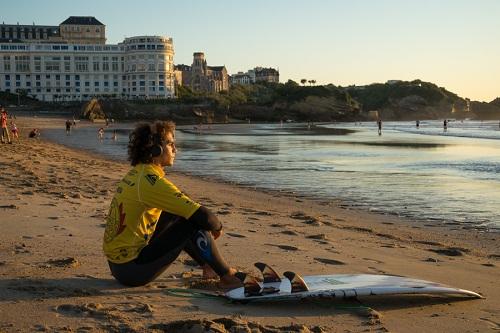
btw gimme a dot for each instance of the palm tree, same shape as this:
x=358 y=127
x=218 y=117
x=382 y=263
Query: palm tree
x=313 y=82
x=303 y=81
x=310 y=82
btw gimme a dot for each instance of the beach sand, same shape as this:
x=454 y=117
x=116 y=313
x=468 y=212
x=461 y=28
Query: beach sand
x=54 y=277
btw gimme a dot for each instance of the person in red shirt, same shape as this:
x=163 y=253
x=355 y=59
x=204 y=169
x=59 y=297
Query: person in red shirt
x=5 y=130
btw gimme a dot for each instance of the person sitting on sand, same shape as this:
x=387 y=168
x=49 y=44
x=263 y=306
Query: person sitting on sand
x=34 y=134
x=150 y=221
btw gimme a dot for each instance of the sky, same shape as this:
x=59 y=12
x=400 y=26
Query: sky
x=452 y=43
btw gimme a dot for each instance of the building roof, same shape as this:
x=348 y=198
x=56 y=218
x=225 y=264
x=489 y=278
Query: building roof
x=265 y=71
x=216 y=68
x=82 y=20
x=182 y=67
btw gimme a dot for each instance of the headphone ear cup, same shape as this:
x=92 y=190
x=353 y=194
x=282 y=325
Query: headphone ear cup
x=156 y=150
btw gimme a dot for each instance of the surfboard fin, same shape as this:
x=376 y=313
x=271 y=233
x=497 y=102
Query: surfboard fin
x=268 y=273
x=297 y=282
x=250 y=284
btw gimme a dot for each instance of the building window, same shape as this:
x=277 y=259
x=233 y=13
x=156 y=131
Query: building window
x=22 y=63
x=6 y=63
x=82 y=64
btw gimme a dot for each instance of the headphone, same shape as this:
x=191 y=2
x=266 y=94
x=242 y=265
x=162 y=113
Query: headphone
x=157 y=140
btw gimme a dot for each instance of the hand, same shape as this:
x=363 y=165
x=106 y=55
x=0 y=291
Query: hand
x=216 y=234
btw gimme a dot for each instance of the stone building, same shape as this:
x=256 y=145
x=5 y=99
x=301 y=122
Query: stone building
x=266 y=74
x=258 y=74
x=83 y=30
x=200 y=77
x=74 y=30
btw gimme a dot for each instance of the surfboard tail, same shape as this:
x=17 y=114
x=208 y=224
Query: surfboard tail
x=268 y=273
x=297 y=282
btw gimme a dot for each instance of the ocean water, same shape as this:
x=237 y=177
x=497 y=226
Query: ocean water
x=427 y=174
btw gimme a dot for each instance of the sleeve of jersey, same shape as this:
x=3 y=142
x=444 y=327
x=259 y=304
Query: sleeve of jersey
x=167 y=197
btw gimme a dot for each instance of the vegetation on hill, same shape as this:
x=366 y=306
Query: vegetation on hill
x=401 y=100
x=407 y=100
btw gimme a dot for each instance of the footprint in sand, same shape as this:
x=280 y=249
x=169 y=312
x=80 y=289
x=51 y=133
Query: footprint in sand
x=65 y=262
x=9 y=207
x=374 y=260
x=377 y=270
x=318 y=237
x=287 y=247
x=225 y=325
x=289 y=232
x=235 y=235
x=451 y=251
x=329 y=261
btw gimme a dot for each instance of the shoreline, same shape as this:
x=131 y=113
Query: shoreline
x=52 y=268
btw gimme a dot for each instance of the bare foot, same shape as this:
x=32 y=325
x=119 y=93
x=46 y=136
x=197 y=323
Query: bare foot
x=209 y=273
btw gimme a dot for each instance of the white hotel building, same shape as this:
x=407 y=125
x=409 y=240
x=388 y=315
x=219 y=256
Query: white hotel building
x=58 y=70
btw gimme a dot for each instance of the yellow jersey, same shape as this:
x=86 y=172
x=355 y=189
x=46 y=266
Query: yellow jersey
x=140 y=198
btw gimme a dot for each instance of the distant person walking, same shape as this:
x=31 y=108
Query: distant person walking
x=379 y=124
x=68 y=127
x=5 y=130
x=445 y=125
x=417 y=124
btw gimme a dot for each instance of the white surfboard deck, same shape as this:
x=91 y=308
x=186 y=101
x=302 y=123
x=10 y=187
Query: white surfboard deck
x=351 y=285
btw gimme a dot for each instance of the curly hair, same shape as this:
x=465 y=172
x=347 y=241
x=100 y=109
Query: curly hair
x=141 y=140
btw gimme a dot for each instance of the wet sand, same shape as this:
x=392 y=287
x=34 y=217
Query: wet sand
x=53 y=276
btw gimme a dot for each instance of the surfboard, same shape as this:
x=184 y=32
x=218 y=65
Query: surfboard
x=294 y=286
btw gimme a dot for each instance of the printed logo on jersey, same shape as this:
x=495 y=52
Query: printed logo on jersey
x=115 y=221
x=152 y=179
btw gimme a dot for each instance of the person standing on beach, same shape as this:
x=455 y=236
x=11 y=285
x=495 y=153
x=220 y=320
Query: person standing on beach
x=445 y=125
x=5 y=130
x=68 y=127
x=379 y=124
x=100 y=134
x=417 y=124
x=15 y=131
x=150 y=221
